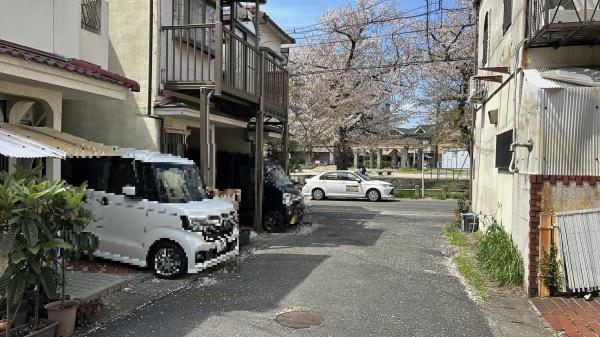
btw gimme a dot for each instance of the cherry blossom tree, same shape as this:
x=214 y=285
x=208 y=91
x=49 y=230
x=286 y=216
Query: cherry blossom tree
x=444 y=85
x=350 y=77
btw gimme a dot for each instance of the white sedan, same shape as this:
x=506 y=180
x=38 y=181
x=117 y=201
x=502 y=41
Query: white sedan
x=344 y=184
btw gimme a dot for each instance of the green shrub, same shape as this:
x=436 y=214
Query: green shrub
x=498 y=256
x=550 y=270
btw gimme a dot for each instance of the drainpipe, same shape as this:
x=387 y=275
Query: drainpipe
x=474 y=112
x=151 y=76
x=520 y=50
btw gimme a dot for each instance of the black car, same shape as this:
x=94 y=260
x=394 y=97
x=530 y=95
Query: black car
x=283 y=204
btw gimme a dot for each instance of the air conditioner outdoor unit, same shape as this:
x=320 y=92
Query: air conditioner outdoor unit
x=477 y=90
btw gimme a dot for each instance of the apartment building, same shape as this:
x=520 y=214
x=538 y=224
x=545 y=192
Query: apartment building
x=211 y=90
x=537 y=124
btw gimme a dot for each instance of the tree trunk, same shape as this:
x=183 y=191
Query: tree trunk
x=343 y=157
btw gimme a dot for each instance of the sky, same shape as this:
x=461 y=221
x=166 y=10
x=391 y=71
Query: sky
x=290 y=14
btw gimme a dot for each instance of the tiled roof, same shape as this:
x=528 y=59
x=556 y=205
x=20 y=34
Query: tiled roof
x=69 y=64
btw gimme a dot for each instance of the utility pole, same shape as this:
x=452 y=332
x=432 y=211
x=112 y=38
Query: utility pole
x=423 y=170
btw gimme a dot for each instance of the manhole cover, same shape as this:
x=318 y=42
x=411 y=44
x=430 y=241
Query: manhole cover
x=299 y=319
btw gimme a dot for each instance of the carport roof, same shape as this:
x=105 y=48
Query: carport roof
x=22 y=141
x=73 y=65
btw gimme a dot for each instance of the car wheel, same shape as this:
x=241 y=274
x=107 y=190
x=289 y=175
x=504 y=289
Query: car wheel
x=318 y=194
x=273 y=222
x=373 y=195
x=168 y=261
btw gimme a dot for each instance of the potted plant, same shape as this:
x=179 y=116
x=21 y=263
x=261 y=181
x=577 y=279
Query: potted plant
x=463 y=206
x=27 y=241
x=68 y=220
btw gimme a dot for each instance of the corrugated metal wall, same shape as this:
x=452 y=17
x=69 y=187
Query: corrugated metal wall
x=579 y=249
x=570 y=131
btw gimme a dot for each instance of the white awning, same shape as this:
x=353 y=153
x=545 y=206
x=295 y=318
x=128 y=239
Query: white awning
x=14 y=146
x=561 y=78
x=22 y=141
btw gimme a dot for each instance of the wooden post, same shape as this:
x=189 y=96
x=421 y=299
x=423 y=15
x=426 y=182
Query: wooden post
x=544 y=248
x=445 y=192
x=417 y=192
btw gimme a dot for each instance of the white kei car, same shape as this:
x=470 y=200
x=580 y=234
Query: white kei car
x=345 y=184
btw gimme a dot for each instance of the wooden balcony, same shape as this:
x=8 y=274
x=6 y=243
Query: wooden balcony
x=211 y=56
x=556 y=23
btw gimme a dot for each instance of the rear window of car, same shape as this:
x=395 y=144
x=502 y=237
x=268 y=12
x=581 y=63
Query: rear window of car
x=329 y=176
x=347 y=176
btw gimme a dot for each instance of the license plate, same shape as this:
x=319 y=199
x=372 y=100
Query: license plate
x=293 y=220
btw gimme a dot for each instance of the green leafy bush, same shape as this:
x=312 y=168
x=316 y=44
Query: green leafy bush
x=498 y=256
x=38 y=218
x=550 y=270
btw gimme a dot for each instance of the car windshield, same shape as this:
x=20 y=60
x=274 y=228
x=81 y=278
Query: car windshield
x=363 y=176
x=178 y=183
x=277 y=175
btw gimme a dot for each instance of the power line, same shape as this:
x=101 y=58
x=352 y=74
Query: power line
x=393 y=18
x=385 y=66
x=377 y=36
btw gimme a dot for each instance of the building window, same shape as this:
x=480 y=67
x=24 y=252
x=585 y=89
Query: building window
x=486 y=37
x=91 y=15
x=190 y=12
x=503 y=152
x=507 y=20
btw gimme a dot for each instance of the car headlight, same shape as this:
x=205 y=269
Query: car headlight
x=388 y=185
x=196 y=224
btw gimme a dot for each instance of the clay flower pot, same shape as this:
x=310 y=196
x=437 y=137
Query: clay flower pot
x=65 y=316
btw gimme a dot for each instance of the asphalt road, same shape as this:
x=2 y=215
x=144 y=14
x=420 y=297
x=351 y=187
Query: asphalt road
x=369 y=269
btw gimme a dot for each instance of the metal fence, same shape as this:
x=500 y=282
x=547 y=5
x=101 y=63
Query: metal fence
x=579 y=248
x=91 y=15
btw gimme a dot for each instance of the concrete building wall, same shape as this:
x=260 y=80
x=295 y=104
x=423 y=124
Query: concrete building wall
x=499 y=192
x=122 y=123
x=232 y=140
x=93 y=47
x=54 y=26
x=268 y=39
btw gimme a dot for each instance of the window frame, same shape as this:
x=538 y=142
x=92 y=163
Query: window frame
x=186 y=12
x=503 y=154
x=333 y=174
x=485 y=39
x=507 y=15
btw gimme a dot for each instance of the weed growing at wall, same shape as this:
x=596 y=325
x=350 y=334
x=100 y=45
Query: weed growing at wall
x=498 y=256
x=550 y=270
x=464 y=259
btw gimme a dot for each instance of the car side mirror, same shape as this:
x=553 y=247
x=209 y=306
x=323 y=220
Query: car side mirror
x=358 y=181
x=129 y=191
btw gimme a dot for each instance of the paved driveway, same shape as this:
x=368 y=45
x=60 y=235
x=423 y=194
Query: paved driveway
x=370 y=269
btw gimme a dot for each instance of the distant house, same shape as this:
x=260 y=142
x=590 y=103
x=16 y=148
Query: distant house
x=400 y=148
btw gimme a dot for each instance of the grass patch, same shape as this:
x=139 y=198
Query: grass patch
x=465 y=260
x=499 y=257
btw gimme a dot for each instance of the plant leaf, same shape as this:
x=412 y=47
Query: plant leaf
x=49 y=279
x=8 y=240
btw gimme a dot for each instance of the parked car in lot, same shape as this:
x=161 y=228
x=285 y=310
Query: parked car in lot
x=151 y=210
x=345 y=184
x=283 y=203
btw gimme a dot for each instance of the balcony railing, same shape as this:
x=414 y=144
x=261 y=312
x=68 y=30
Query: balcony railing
x=564 y=22
x=209 y=55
